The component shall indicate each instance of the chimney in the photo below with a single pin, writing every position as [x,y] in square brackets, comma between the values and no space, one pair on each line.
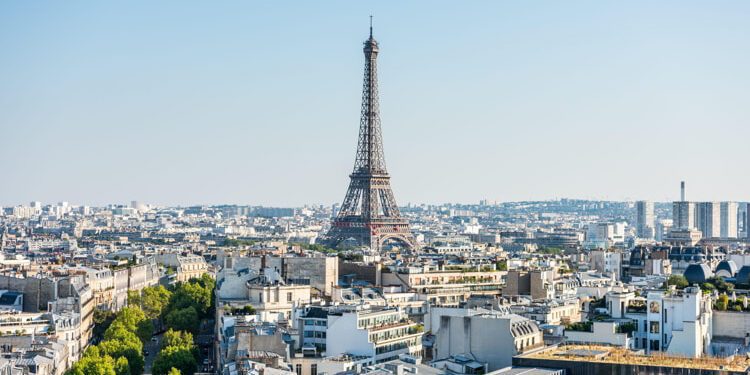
[682,191]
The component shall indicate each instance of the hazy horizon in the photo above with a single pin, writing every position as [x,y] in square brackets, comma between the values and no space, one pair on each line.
[235,102]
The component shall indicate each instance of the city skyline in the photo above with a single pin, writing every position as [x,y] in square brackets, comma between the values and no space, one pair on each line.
[596,101]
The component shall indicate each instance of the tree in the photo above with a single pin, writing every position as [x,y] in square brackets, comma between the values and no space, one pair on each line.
[248,310]
[179,339]
[134,298]
[145,330]
[130,349]
[129,317]
[102,320]
[550,250]
[721,285]
[707,287]
[90,365]
[183,319]
[678,281]
[154,300]
[722,302]
[196,293]
[118,332]
[122,367]
[174,357]
[501,265]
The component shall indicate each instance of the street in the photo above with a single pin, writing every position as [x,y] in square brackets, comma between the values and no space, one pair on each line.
[152,347]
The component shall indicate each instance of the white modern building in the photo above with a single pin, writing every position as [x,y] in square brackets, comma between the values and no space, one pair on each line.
[491,337]
[381,334]
[673,321]
[728,220]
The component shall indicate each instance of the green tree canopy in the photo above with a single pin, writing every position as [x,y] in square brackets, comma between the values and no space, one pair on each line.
[678,280]
[90,365]
[174,357]
[145,330]
[134,298]
[130,349]
[129,317]
[122,367]
[179,339]
[118,332]
[154,300]
[183,319]
[722,302]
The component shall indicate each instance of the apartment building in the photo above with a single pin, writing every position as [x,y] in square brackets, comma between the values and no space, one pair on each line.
[381,334]
[673,321]
[442,286]
[492,337]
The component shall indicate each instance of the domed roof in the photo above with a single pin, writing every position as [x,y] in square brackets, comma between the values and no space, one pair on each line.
[726,268]
[697,273]
[743,277]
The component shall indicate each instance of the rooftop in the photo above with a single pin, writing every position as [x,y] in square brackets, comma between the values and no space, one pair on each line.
[608,354]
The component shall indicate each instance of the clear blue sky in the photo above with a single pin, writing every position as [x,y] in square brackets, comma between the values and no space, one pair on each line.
[182,102]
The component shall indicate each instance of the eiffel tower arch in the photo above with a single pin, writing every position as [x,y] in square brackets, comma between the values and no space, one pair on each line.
[369,214]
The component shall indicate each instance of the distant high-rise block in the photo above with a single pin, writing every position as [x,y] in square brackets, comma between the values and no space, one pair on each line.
[709,219]
[683,215]
[728,220]
[644,219]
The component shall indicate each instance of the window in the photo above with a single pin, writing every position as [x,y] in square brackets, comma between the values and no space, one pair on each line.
[665,316]
[309,322]
[298,369]
[314,369]
[654,345]
[289,299]
[260,297]
[654,327]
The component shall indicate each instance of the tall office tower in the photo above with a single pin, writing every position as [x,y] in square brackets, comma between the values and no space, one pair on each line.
[709,219]
[683,215]
[683,212]
[369,214]
[728,220]
[644,219]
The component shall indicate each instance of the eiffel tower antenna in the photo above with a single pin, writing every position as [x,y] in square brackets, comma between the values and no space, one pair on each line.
[369,214]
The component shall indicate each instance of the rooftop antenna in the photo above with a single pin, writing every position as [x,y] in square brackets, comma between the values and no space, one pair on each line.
[371,26]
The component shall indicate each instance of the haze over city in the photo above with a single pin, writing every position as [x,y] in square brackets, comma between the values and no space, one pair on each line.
[259,103]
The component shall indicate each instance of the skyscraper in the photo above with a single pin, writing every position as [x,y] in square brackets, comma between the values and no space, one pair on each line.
[369,214]
[644,219]
[709,219]
[683,215]
[683,212]
[728,220]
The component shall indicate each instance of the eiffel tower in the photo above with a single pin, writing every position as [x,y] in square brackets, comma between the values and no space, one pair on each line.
[369,214]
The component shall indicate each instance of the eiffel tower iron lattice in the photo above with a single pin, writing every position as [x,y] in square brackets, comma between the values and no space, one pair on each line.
[369,214]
